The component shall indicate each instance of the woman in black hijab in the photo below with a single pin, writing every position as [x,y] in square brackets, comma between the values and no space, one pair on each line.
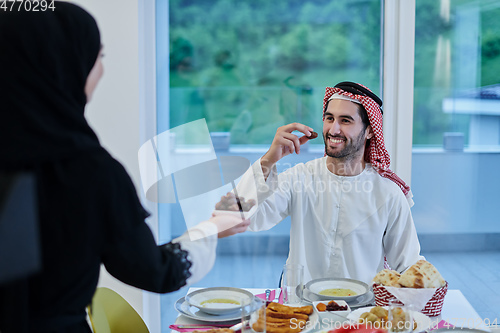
[88,209]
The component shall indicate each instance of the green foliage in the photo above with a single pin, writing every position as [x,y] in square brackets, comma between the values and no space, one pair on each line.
[283,51]
[443,67]
[281,54]
[490,46]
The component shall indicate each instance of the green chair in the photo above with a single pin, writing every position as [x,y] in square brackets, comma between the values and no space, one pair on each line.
[111,313]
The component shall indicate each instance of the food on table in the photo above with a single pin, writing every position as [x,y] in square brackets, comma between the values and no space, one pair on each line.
[220,301]
[338,292]
[321,307]
[388,277]
[276,325]
[313,135]
[283,319]
[233,203]
[380,312]
[357,328]
[400,322]
[334,306]
[378,317]
[368,317]
[421,275]
[331,306]
[277,307]
[412,282]
[286,315]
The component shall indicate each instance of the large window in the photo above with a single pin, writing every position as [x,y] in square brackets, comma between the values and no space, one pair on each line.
[456,125]
[248,67]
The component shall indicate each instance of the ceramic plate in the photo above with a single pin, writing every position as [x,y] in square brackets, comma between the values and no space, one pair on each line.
[219,300]
[183,307]
[319,285]
[366,299]
[423,322]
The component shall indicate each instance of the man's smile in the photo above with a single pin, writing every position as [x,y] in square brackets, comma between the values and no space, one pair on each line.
[336,140]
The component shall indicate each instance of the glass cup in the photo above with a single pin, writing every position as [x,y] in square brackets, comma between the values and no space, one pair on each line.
[292,284]
[253,317]
[400,318]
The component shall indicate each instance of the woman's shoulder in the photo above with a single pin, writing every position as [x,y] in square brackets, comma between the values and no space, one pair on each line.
[97,169]
[115,185]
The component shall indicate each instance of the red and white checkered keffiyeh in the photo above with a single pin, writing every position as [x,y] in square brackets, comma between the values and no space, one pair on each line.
[376,154]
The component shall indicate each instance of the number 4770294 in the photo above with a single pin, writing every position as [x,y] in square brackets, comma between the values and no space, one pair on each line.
[27,5]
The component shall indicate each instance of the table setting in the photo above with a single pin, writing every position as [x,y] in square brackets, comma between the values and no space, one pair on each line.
[457,314]
[333,305]
[363,297]
[194,310]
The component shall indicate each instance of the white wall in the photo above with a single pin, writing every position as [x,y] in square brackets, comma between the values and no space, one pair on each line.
[114,110]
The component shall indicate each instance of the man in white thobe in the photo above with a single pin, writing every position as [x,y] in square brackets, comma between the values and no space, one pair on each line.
[348,210]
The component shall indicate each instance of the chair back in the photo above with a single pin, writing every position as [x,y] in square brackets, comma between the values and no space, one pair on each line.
[111,313]
[19,234]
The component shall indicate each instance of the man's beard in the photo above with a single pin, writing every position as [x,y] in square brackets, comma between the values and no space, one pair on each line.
[350,150]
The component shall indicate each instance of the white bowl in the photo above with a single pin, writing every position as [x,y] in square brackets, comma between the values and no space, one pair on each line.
[332,316]
[219,300]
[317,286]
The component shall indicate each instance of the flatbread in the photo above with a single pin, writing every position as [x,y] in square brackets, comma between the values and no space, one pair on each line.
[388,278]
[422,275]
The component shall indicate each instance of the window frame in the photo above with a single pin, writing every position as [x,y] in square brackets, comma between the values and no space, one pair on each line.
[151,307]
[398,74]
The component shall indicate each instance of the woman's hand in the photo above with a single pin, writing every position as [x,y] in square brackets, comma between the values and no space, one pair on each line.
[229,225]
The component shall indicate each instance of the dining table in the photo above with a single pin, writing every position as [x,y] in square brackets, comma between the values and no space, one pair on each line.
[456,312]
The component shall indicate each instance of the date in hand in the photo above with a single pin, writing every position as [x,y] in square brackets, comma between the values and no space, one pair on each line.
[313,135]
[233,203]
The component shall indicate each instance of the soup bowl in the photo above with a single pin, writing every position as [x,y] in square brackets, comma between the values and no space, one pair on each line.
[337,289]
[219,300]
